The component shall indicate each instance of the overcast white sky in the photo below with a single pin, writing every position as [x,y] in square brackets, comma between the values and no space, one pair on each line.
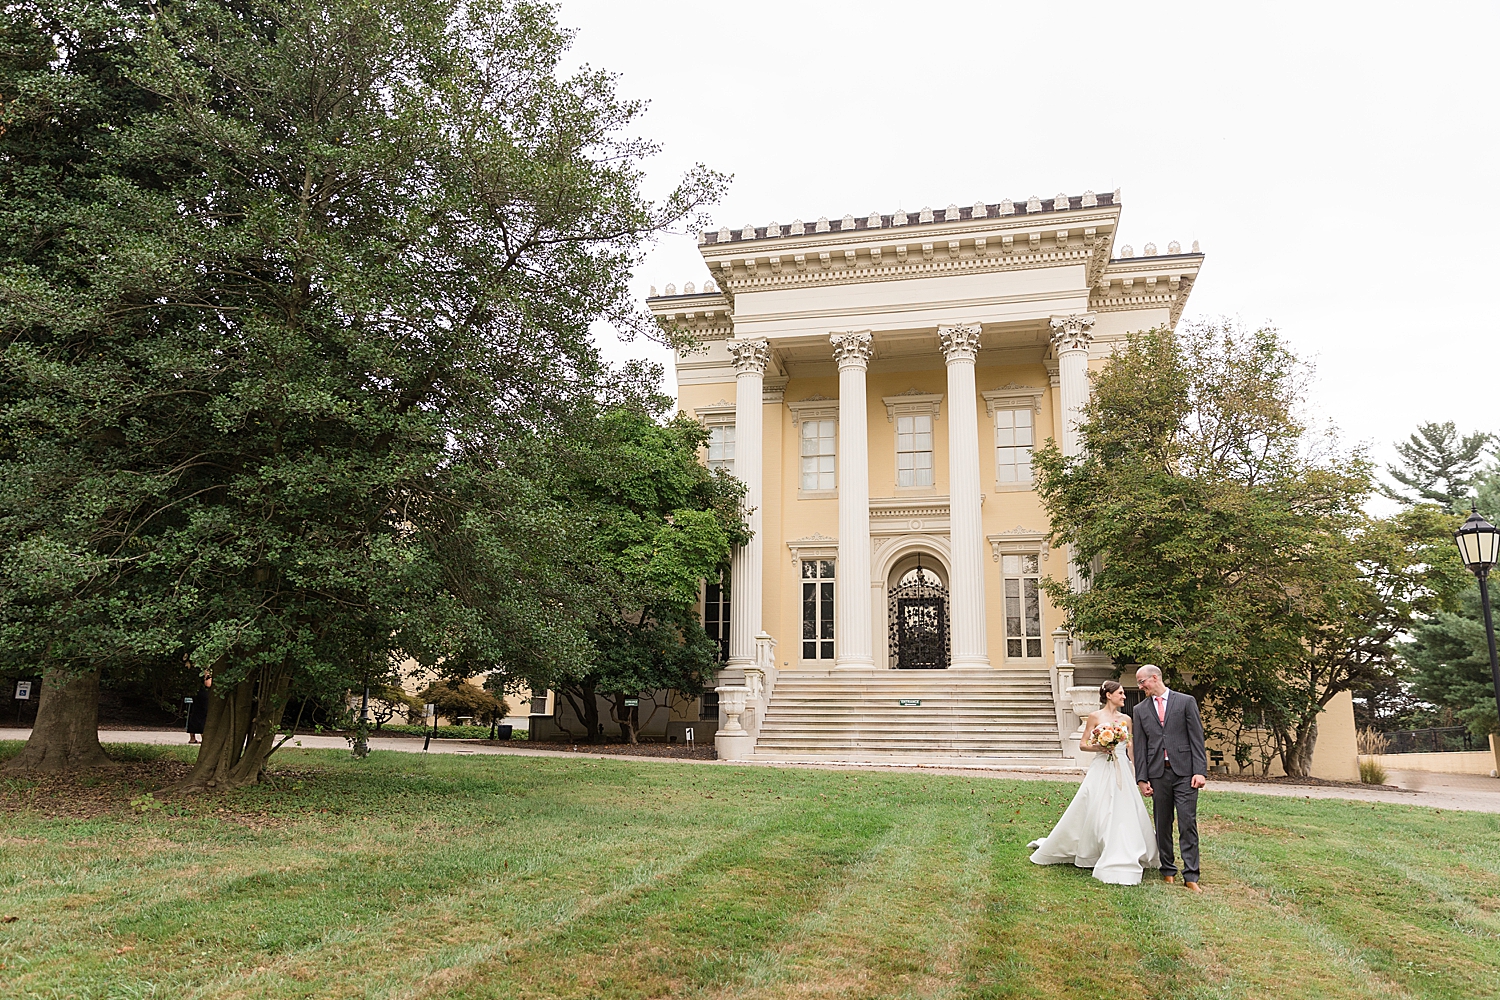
[1336,160]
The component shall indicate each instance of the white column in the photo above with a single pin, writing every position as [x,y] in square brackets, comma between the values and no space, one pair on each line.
[1071,337]
[966,532]
[852,586]
[746,584]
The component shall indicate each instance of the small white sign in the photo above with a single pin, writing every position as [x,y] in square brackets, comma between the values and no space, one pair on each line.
[23,690]
[688,733]
[430,709]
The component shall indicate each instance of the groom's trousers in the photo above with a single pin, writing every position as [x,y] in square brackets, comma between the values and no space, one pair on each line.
[1175,793]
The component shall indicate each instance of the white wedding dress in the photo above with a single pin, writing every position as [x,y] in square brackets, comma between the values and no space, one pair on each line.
[1106,826]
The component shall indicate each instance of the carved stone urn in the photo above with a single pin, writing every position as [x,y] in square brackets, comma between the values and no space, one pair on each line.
[732,742]
[1084,699]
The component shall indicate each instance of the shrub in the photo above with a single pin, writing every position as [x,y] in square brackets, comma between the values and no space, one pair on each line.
[1370,771]
[1371,742]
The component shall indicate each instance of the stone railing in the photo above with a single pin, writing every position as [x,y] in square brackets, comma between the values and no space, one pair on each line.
[744,694]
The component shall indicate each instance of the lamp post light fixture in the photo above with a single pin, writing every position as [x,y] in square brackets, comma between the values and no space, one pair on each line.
[1479,545]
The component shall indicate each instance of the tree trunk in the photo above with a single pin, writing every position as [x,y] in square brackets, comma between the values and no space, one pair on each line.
[239,732]
[65,736]
[1297,752]
[626,717]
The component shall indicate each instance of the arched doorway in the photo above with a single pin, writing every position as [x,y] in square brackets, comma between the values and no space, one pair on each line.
[918,615]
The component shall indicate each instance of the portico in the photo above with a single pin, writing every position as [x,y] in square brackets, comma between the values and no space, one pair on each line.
[889,377]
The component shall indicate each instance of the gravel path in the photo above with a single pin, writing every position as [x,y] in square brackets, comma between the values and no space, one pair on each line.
[1462,792]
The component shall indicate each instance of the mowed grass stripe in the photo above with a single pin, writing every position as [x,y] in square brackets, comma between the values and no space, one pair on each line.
[1379,898]
[445,877]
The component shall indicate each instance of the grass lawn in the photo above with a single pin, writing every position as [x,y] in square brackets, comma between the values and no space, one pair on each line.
[444,876]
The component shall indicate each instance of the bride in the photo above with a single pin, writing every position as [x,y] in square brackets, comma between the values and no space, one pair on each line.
[1106,826]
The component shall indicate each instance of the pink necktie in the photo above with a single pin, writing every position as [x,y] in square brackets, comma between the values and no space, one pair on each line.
[1161,710]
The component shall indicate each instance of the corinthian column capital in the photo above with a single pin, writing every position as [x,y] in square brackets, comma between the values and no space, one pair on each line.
[750,356]
[852,349]
[960,343]
[1073,332]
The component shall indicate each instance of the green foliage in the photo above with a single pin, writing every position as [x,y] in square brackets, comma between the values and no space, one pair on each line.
[1449,658]
[447,732]
[457,699]
[280,287]
[1226,543]
[654,523]
[1438,465]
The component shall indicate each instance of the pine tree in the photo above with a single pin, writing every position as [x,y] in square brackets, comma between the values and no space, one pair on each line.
[1438,466]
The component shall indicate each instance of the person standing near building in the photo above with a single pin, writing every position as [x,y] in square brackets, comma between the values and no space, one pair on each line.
[198,714]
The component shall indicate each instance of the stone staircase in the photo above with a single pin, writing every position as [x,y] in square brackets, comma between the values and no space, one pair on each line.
[912,716]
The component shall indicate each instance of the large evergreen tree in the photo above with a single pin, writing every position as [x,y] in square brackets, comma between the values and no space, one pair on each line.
[1438,465]
[345,254]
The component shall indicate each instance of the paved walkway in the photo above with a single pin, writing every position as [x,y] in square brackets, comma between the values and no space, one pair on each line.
[1468,793]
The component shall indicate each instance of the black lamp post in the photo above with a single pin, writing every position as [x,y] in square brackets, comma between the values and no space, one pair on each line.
[1479,544]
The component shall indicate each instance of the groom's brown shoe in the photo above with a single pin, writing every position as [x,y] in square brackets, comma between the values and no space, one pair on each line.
[1192,886]
[1169,879]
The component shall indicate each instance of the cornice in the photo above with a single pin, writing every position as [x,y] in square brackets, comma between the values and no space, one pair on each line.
[978,213]
[1152,282]
[941,261]
[702,316]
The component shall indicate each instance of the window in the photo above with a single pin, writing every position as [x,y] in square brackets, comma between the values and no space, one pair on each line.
[716,616]
[914,450]
[1014,439]
[817,609]
[1023,607]
[721,447]
[818,454]
[708,707]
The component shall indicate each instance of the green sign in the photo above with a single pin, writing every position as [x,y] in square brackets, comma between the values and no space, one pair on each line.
[909,702]
[632,702]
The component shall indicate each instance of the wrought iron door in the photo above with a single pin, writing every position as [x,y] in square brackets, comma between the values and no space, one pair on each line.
[919,623]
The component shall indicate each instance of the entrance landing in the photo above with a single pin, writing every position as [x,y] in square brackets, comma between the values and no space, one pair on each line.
[875,716]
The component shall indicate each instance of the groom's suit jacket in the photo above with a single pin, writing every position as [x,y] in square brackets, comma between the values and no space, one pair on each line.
[1179,742]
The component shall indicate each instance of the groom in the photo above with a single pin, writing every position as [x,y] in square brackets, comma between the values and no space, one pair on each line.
[1170,765]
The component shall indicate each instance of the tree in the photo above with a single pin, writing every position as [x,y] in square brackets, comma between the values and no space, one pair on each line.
[278,448]
[1449,658]
[1224,542]
[456,698]
[1361,590]
[1438,466]
[84,238]
[656,523]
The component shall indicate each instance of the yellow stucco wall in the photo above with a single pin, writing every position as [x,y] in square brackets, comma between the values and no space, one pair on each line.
[786,516]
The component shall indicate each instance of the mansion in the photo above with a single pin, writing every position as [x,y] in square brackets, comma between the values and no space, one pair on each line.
[879,384]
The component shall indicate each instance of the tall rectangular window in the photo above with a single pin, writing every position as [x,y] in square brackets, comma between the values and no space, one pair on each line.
[1023,607]
[914,450]
[721,447]
[1014,440]
[716,616]
[818,438]
[817,609]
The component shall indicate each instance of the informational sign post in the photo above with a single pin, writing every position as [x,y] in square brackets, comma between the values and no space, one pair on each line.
[23,690]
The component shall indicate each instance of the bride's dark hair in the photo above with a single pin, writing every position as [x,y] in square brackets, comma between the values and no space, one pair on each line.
[1108,688]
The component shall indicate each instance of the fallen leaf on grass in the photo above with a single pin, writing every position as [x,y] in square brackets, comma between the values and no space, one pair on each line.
[121,951]
[9,919]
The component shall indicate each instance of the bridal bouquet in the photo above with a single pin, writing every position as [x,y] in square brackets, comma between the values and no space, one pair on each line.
[1110,737]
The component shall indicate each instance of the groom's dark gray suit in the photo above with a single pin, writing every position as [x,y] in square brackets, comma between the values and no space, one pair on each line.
[1168,756]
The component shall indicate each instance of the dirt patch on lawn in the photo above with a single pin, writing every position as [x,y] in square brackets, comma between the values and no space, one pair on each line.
[1246,779]
[88,794]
